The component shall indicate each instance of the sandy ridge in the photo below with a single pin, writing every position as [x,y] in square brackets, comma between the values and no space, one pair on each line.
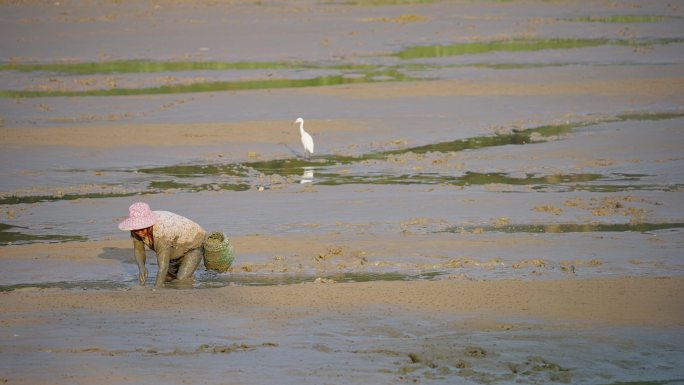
[127,135]
[627,301]
[644,87]
[142,135]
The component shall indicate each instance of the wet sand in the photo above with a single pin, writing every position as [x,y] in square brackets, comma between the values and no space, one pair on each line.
[388,331]
[588,324]
[247,134]
[623,301]
[539,241]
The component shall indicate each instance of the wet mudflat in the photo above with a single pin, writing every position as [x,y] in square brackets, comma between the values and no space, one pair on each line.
[368,332]
[532,150]
[389,347]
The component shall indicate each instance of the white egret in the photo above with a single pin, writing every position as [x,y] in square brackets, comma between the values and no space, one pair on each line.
[307,140]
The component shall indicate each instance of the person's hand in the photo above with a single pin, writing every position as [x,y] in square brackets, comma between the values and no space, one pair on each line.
[143,275]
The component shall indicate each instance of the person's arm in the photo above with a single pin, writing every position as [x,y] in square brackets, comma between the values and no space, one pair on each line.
[139,251]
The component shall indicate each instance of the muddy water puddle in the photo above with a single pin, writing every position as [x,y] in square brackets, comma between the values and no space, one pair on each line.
[10,234]
[68,285]
[206,279]
[570,228]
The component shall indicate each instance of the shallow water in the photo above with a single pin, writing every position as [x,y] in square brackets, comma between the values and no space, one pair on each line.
[13,236]
[573,228]
[322,169]
[207,279]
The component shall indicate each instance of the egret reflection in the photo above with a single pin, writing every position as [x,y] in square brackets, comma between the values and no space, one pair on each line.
[308,175]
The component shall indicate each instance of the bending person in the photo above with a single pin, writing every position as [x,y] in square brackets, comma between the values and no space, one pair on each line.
[176,240]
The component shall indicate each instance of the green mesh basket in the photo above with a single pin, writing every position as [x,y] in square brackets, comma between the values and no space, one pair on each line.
[218,252]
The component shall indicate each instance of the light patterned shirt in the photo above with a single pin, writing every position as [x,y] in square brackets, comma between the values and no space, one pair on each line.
[174,235]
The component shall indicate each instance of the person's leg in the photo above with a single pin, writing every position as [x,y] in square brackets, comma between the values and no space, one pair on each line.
[189,263]
[174,265]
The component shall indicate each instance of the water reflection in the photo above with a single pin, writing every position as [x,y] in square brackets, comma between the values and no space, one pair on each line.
[308,175]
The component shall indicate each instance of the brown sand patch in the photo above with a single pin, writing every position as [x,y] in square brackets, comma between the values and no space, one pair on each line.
[616,301]
[109,136]
[649,87]
[290,250]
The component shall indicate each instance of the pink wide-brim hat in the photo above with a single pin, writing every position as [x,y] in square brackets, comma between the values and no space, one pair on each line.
[139,217]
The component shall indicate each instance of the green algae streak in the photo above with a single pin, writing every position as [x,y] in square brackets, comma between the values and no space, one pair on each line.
[218,86]
[518,45]
[152,66]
